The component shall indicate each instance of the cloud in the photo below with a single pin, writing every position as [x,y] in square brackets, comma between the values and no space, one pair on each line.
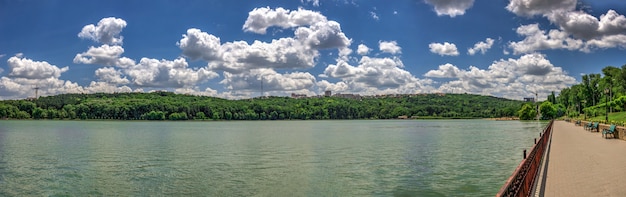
[165,73]
[284,53]
[107,88]
[239,56]
[605,42]
[481,47]
[26,74]
[373,75]
[28,69]
[389,47]
[323,35]
[511,78]
[315,3]
[578,31]
[200,45]
[374,15]
[585,26]
[15,88]
[362,49]
[270,80]
[445,71]
[103,55]
[451,8]
[444,49]
[107,31]
[529,8]
[259,19]
[537,39]
[312,32]
[111,75]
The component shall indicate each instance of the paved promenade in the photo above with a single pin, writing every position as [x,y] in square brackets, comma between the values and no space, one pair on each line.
[582,163]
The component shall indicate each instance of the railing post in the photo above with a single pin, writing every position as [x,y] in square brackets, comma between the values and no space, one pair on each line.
[521,182]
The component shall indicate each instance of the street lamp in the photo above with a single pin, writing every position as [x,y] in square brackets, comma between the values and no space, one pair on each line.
[606,105]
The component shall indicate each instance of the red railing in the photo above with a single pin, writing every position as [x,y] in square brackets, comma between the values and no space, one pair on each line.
[522,181]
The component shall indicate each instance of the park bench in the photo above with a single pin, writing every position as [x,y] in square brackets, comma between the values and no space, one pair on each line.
[588,125]
[610,130]
[591,126]
[595,127]
[578,123]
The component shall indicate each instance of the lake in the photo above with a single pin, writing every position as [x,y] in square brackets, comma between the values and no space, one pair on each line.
[261,158]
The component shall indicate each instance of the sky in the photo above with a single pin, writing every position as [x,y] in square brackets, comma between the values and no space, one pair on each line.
[243,49]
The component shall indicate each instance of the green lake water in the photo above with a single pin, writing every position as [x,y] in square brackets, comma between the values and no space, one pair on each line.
[261,158]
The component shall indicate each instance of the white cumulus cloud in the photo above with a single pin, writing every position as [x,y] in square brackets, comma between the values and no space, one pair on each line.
[363,49]
[103,55]
[389,47]
[259,19]
[107,31]
[111,75]
[373,76]
[165,73]
[444,49]
[451,8]
[200,45]
[511,78]
[481,47]
[268,80]
[20,67]
[528,8]
[537,39]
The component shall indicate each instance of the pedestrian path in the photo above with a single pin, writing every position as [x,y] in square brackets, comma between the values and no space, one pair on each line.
[583,163]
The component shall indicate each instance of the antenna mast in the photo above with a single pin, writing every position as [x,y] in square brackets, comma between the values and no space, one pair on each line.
[36,92]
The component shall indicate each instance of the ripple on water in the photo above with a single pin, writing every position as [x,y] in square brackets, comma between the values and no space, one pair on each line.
[282,158]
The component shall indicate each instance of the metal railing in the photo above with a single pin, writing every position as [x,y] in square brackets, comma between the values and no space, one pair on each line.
[522,181]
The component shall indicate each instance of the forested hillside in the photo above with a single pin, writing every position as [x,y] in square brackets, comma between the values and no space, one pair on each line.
[170,106]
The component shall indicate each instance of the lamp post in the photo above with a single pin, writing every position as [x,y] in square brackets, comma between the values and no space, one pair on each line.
[606,105]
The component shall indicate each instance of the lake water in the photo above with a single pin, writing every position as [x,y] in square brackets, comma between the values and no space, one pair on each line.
[261,158]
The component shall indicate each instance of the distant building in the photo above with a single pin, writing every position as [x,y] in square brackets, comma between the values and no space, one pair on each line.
[529,99]
[297,96]
[348,96]
[328,93]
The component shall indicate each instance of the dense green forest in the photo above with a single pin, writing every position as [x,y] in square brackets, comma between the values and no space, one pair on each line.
[170,106]
[594,96]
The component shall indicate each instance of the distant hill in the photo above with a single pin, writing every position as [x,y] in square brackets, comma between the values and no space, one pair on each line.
[170,106]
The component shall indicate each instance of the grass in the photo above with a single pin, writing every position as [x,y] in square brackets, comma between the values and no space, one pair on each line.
[618,118]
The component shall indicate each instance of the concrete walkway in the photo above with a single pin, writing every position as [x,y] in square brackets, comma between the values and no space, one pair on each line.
[582,163]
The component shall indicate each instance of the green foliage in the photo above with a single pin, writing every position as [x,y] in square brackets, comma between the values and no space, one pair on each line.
[170,106]
[154,115]
[527,112]
[548,110]
[200,116]
[595,93]
[178,116]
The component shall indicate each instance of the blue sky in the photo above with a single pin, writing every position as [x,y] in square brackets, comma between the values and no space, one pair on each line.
[233,49]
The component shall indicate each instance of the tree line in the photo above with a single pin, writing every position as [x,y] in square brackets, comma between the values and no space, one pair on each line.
[170,106]
[596,93]
[594,96]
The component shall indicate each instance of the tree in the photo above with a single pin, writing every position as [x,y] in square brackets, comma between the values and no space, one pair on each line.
[552,98]
[200,116]
[548,110]
[527,112]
